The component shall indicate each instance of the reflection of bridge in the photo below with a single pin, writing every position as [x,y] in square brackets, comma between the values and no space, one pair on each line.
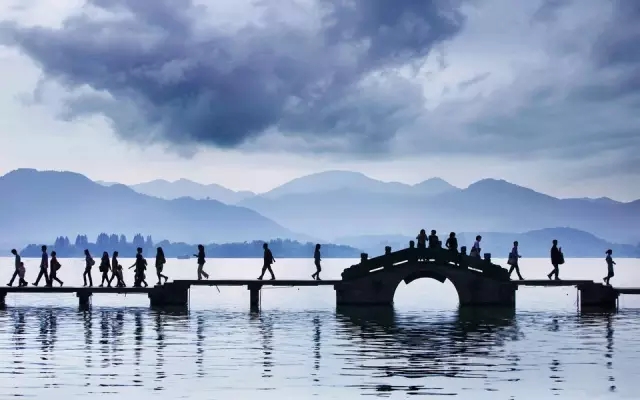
[478,282]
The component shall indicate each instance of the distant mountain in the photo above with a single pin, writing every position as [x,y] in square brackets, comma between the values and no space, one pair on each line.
[38,205]
[331,181]
[186,188]
[601,200]
[487,205]
[574,243]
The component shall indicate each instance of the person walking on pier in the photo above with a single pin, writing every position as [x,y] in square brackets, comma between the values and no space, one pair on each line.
[44,267]
[88,263]
[556,259]
[452,242]
[140,266]
[21,272]
[475,250]
[160,261]
[17,262]
[317,259]
[55,266]
[105,268]
[201,260]
[268,260]
[610,264]
[514,256]
[116,271]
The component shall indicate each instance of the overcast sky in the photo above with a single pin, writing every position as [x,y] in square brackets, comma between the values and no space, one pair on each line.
[250,94]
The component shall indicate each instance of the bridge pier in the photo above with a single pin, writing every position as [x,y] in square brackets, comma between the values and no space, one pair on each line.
[597,295]
[254,296]
[84,298]
[3,299]
[169,295]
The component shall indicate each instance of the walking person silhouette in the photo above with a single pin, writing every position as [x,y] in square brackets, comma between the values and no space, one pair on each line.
[140,266]
[514,257]
[201,260]
[88,263]
[116,271]
[317,259]
[21,272]
[17,262]
[44,266]
[55,266]
[610,264]
[268,260]
[557,258]
[105,267]
[160,261]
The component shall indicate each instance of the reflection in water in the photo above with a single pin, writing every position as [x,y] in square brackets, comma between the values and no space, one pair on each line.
[316,347]
[88,344]
[372,351]
[420,348]
[200,345]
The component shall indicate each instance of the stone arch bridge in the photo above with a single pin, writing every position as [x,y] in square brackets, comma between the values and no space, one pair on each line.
[374,281]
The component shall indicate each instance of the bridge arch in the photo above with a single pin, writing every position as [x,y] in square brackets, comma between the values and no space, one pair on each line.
[441,291]
[379,287]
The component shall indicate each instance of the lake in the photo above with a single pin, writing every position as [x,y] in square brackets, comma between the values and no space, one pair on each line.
[300,346]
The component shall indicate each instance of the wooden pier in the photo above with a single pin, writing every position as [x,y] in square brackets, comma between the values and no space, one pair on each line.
[478,282]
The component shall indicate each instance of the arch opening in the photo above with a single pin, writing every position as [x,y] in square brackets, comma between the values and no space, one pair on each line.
[426,290]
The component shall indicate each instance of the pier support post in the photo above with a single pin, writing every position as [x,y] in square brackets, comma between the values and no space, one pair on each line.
[3,299]
[597,295]
[169,295]
[254,296]
[84,298]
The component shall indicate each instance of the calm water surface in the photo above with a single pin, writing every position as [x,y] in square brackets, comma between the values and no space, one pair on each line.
[300,346]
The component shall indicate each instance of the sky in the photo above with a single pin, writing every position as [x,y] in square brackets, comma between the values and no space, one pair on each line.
[251,94]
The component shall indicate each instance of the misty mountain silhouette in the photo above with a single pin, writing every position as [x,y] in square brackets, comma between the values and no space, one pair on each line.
[186,188]
[40,205]
[487,205]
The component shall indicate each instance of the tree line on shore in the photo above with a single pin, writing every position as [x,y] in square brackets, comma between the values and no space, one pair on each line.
[104,242]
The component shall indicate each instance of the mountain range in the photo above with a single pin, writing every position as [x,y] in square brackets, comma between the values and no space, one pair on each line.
[327,206]
[38,205]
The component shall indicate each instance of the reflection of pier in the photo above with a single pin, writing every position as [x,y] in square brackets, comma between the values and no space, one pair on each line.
[373,282]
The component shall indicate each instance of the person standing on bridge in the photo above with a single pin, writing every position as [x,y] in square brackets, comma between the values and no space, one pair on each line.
[160,261]
[116,271]
[452,242]
[514,256]
[88,263]
[105,268]
[422,239]
[556,259]
[610,264]
[201,260]
[44,267]
[475,250]
[434,242]
[317,259]
[18,260]
[55,266]
[268,260]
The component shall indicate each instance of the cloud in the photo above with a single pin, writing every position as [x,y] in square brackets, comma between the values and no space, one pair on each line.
[164,70]
[516,80]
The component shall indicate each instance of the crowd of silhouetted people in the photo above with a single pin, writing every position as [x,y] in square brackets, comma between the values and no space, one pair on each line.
[556,255]
[111,269]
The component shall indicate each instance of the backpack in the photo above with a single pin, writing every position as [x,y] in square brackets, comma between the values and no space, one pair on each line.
[560,258]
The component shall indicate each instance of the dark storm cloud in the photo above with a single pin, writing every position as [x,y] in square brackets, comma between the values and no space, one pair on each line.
[164,73]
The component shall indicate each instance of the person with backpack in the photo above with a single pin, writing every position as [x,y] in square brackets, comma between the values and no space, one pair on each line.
[268,260]
[514,257]
[88,263]
[105,268]
[116,271]
[140,266]
[54,266]
[557,259]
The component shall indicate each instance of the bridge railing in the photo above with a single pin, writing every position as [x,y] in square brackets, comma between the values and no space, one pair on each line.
[435,255]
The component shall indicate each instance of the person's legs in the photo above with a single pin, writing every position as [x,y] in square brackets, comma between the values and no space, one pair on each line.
[273,277]
[518,272]
[13,277]
[42,273]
